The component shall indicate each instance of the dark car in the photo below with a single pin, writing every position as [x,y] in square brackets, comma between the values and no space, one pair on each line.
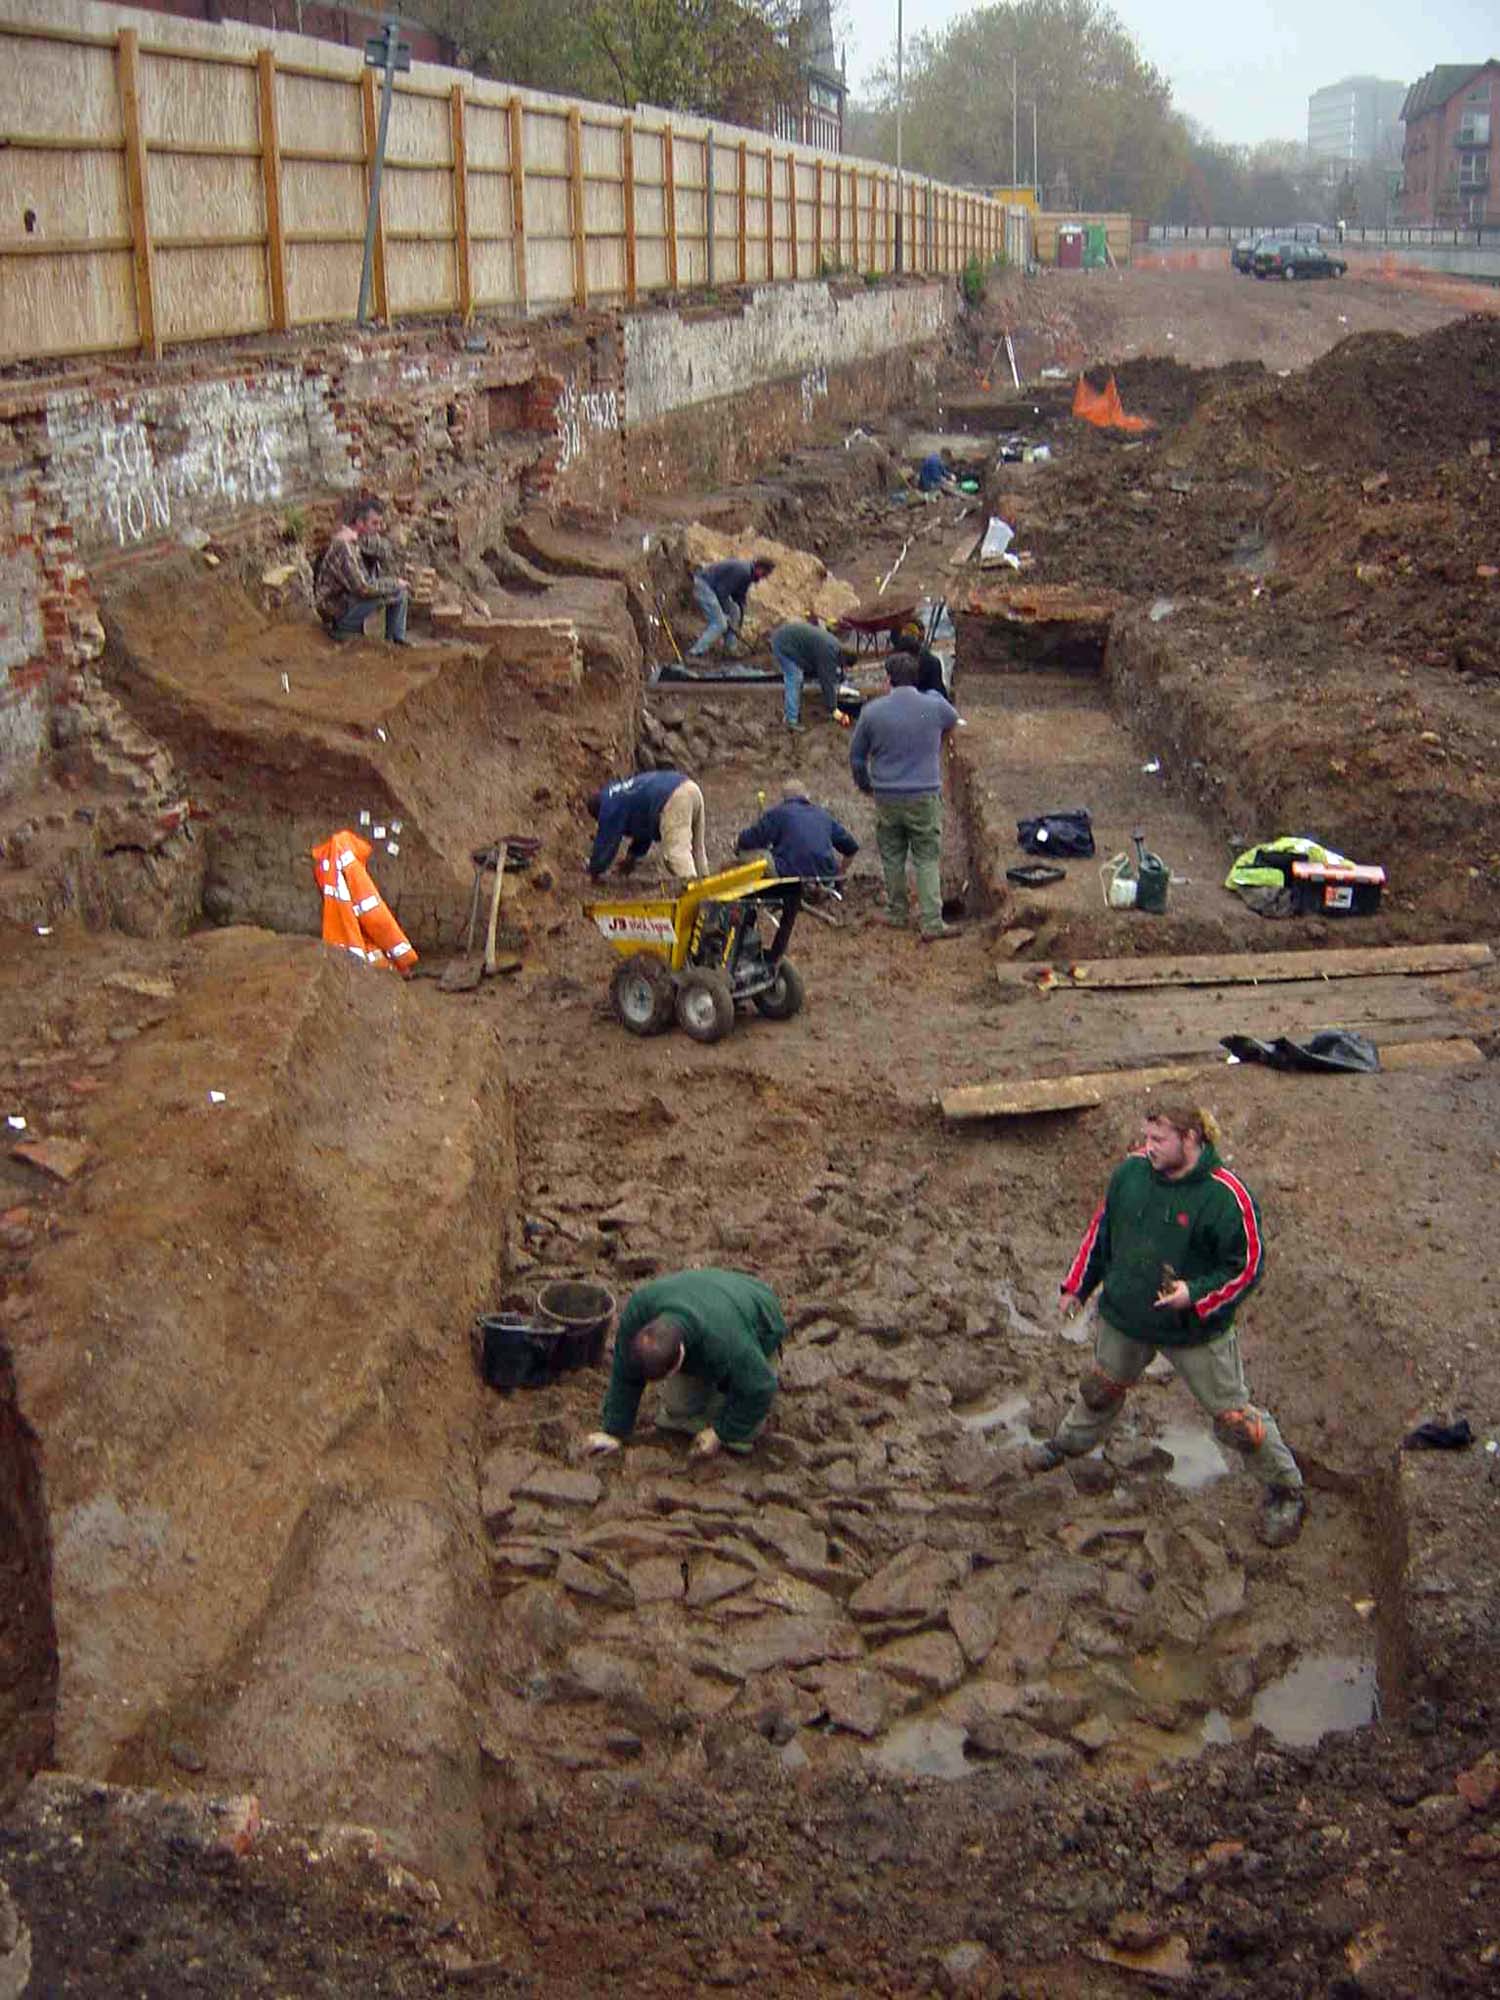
[1296,260]
[1242,255]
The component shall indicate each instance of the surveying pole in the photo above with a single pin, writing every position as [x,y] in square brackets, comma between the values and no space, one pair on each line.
[387,53]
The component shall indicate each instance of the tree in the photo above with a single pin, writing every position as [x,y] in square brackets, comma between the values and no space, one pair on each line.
[729,59]
[1104,114]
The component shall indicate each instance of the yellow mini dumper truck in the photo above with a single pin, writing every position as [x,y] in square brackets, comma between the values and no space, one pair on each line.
[697,956]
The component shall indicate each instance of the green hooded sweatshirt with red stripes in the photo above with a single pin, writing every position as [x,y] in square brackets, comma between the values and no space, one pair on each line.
[1149,1231]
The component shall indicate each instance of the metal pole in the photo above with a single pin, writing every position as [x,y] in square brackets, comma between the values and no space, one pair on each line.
[387,90]
[900,107]
[1015,150]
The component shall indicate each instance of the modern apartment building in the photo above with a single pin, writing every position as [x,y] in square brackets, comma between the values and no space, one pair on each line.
[1449,161]
[1356,121]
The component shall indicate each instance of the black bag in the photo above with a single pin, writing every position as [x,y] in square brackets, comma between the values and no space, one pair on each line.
[1328,1049]
[1068,834]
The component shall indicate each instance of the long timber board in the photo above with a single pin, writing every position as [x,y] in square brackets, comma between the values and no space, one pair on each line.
[1253,968]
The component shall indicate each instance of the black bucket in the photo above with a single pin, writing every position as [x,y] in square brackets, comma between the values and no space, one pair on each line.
[519,1353]
[581,1311]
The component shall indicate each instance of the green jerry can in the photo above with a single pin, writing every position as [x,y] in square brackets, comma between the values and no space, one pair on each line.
[1152,876]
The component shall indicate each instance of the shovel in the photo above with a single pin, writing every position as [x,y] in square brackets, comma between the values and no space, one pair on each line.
[465,974]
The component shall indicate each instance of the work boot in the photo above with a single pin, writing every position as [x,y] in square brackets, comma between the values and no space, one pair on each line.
[940,930]
[793,728]
[1285,1511]
[1044,1457]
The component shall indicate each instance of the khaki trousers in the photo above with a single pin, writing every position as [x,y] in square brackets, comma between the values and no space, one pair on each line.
[1216,1376]
[683,829]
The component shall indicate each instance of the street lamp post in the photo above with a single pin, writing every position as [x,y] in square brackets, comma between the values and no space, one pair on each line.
[387,53]
[1015,149]
[900,106]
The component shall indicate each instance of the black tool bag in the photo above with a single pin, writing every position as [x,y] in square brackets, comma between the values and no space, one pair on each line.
[1067,835]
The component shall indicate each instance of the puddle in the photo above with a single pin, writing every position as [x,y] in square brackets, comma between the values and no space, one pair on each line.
[1029,1329]
[1196,1457]
[1320,1696]
[923,1750]
[1008,1415]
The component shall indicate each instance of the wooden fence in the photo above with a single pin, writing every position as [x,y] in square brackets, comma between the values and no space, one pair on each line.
[172,193]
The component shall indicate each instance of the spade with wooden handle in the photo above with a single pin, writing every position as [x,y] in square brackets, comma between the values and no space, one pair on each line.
[490,966]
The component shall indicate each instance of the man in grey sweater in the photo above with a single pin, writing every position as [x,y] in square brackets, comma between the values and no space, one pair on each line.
[897,755]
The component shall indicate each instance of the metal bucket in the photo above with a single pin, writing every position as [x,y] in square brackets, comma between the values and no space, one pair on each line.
[582,1312]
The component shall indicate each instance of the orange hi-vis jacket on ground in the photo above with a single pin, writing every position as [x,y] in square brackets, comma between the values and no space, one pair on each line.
[355,916]
[1103,408]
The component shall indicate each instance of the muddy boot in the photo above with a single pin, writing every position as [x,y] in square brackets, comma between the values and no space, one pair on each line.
[941,931]
[1044,1457]
[1285,1511]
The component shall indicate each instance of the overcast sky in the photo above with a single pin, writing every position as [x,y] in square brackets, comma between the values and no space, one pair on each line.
[1244,70]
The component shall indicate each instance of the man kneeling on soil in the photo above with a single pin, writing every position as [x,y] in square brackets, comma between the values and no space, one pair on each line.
[1175,1246]
[708,1337]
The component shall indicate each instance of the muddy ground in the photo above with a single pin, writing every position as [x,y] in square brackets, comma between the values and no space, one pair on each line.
[872,1712]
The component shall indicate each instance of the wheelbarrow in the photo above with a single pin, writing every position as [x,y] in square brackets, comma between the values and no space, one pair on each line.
[869,627]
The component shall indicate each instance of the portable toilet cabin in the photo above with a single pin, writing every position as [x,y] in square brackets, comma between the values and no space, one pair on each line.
[1070,244]
[1096,246]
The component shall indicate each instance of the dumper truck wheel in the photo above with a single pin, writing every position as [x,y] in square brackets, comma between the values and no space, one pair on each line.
[641,994]
[784,997]
[705,1004]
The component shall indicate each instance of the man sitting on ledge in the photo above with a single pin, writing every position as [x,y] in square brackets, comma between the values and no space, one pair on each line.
[357,576]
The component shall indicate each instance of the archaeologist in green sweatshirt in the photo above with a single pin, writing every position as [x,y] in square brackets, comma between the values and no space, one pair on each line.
[1173,1248]
[708,1337]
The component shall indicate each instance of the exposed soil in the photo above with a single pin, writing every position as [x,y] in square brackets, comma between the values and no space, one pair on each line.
[871,1711]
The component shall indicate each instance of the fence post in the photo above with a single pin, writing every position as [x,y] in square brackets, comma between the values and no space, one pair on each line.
[461,250]
[136,189]
[838,215]
[575,184]
[770,220]
[890,260]
[669,190]
[818,216]
[744,214]
[372,129]
[710,204]
[270,174]
[627,164]
[516,120]
[791,203]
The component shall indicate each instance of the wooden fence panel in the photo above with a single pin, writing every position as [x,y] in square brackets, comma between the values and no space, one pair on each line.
[241,204]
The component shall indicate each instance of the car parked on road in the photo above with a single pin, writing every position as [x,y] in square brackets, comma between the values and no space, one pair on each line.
[1242,255]
[1277,259]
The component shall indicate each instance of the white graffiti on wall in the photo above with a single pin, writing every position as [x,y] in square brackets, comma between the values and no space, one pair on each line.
[174,458]
[814,386]
[581,415]
[242,469]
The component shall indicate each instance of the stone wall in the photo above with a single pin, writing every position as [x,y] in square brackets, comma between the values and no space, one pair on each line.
[674,360]
[28,1642]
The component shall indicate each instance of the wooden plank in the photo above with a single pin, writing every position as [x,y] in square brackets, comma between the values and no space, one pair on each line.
[669,189]
[838,215]
[818,217]
[770,217]
[371,114]
[464,254]
[741,231]
[890,215]
[270,168]
[517,122]
[627,170]
[791,203]
[1253,968]
[1030,1097]
[575,203]
[128,71]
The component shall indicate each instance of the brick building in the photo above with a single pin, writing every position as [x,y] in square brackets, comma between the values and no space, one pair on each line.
[1449,170]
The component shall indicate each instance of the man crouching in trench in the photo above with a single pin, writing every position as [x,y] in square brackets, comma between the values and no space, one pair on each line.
[708,1337]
